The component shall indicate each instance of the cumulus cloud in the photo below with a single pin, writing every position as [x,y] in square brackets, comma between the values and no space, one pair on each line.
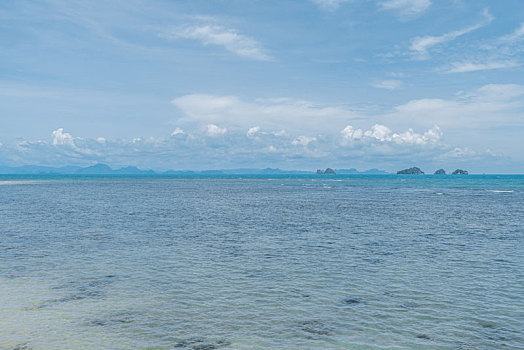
[406,7]
[303,140]
[350,133]
[252,131]
[421,45]
[178,131]
[62,138]
[214,130]
[379,132]
[382,133]
[230,39]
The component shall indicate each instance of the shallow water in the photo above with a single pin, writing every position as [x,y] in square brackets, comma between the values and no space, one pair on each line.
[298,262]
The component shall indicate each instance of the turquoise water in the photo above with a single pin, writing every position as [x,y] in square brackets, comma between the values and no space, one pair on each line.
[281,262]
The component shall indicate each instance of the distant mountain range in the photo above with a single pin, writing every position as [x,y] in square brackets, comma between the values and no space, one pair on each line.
[103,169]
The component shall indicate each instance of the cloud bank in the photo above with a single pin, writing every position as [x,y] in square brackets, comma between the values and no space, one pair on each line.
[227,131]
[217,147]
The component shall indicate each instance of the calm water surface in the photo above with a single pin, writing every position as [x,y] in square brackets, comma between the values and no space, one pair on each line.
[303,262]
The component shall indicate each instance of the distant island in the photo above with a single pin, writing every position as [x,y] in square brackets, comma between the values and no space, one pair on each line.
[460,172]
[411,171]
[328,171]
[416,171]
[104,169]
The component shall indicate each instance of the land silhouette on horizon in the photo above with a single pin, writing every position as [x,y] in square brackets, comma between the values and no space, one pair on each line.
[104,169]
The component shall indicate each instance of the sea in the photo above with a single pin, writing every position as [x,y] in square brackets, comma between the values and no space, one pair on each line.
[262,262]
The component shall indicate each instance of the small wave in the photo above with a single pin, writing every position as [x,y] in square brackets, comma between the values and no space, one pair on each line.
[501,191]
[18,182]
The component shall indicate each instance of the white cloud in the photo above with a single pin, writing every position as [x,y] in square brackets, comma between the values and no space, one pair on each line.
[489,106]
[303,140]
[489,54]
[64,143]
[499,93]
[390,84]
[460,153]
[252,131]
[381,133]
[406,7]
[228,38]
[62,138]
[269,114]
[350,133]
[178,131]
[214,130]
[516,35]
[421,45]
[397,75]
[330,4]
[463,67]
[410,137]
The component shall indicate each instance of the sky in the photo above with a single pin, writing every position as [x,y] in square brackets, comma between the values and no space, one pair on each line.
[295,84]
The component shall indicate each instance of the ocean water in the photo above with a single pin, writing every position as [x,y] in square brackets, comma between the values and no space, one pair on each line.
[298,262]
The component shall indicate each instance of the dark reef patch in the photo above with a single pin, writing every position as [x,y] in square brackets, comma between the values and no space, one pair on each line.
[80,290]
[423,336]
[351,301]
[199,343]
[315,327]
[115,319]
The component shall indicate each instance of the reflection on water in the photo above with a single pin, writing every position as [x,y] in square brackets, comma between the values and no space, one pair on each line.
[360,262]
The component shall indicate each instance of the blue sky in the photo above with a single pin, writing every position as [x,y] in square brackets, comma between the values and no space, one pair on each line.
[296,84]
